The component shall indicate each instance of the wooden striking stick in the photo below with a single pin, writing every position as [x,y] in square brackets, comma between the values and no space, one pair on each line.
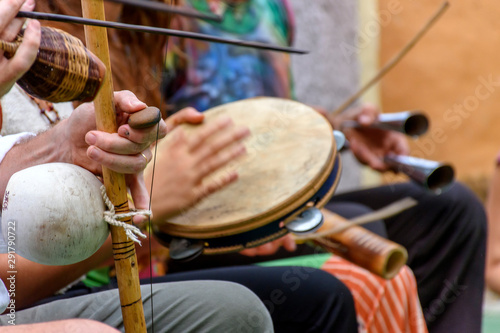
[358,245]
[156,30]
[387,67]
[123,248]
[362,247]
[164,8]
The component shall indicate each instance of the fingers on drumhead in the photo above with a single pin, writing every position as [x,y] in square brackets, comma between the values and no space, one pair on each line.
[217,161]
[208,131]
[228,140]
[217,184]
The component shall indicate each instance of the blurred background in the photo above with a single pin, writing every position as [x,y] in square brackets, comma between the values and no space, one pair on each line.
[452,75]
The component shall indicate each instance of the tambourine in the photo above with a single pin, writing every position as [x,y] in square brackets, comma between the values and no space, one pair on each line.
[290,171]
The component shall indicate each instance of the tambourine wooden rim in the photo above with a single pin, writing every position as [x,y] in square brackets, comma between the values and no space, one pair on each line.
[275,229]
[247,231]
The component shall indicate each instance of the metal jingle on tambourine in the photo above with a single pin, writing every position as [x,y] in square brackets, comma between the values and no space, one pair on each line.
[184,250]
[340,140]
[308,221]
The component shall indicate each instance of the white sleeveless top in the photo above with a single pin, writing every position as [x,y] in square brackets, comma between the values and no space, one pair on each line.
[21,118]
[22,114]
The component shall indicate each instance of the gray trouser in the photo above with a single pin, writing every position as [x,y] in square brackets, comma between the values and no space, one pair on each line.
[192,306]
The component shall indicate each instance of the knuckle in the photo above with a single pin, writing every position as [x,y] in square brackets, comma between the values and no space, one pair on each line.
[138,167]
[205,168]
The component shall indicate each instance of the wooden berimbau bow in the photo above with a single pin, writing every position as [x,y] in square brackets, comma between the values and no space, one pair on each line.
[159,31]
[123,248]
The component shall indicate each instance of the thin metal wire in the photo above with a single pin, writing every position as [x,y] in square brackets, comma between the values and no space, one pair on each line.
[151,198]
[150,227]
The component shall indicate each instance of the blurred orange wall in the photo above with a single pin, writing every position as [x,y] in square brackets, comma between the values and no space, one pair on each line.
[453,74]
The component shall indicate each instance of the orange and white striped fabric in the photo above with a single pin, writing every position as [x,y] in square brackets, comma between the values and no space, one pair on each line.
[381,305]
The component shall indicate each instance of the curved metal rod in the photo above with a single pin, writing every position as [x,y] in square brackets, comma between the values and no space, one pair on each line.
[412,123]
[164,8]
[156,30]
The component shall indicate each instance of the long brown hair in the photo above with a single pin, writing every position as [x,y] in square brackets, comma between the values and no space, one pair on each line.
[136,58]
